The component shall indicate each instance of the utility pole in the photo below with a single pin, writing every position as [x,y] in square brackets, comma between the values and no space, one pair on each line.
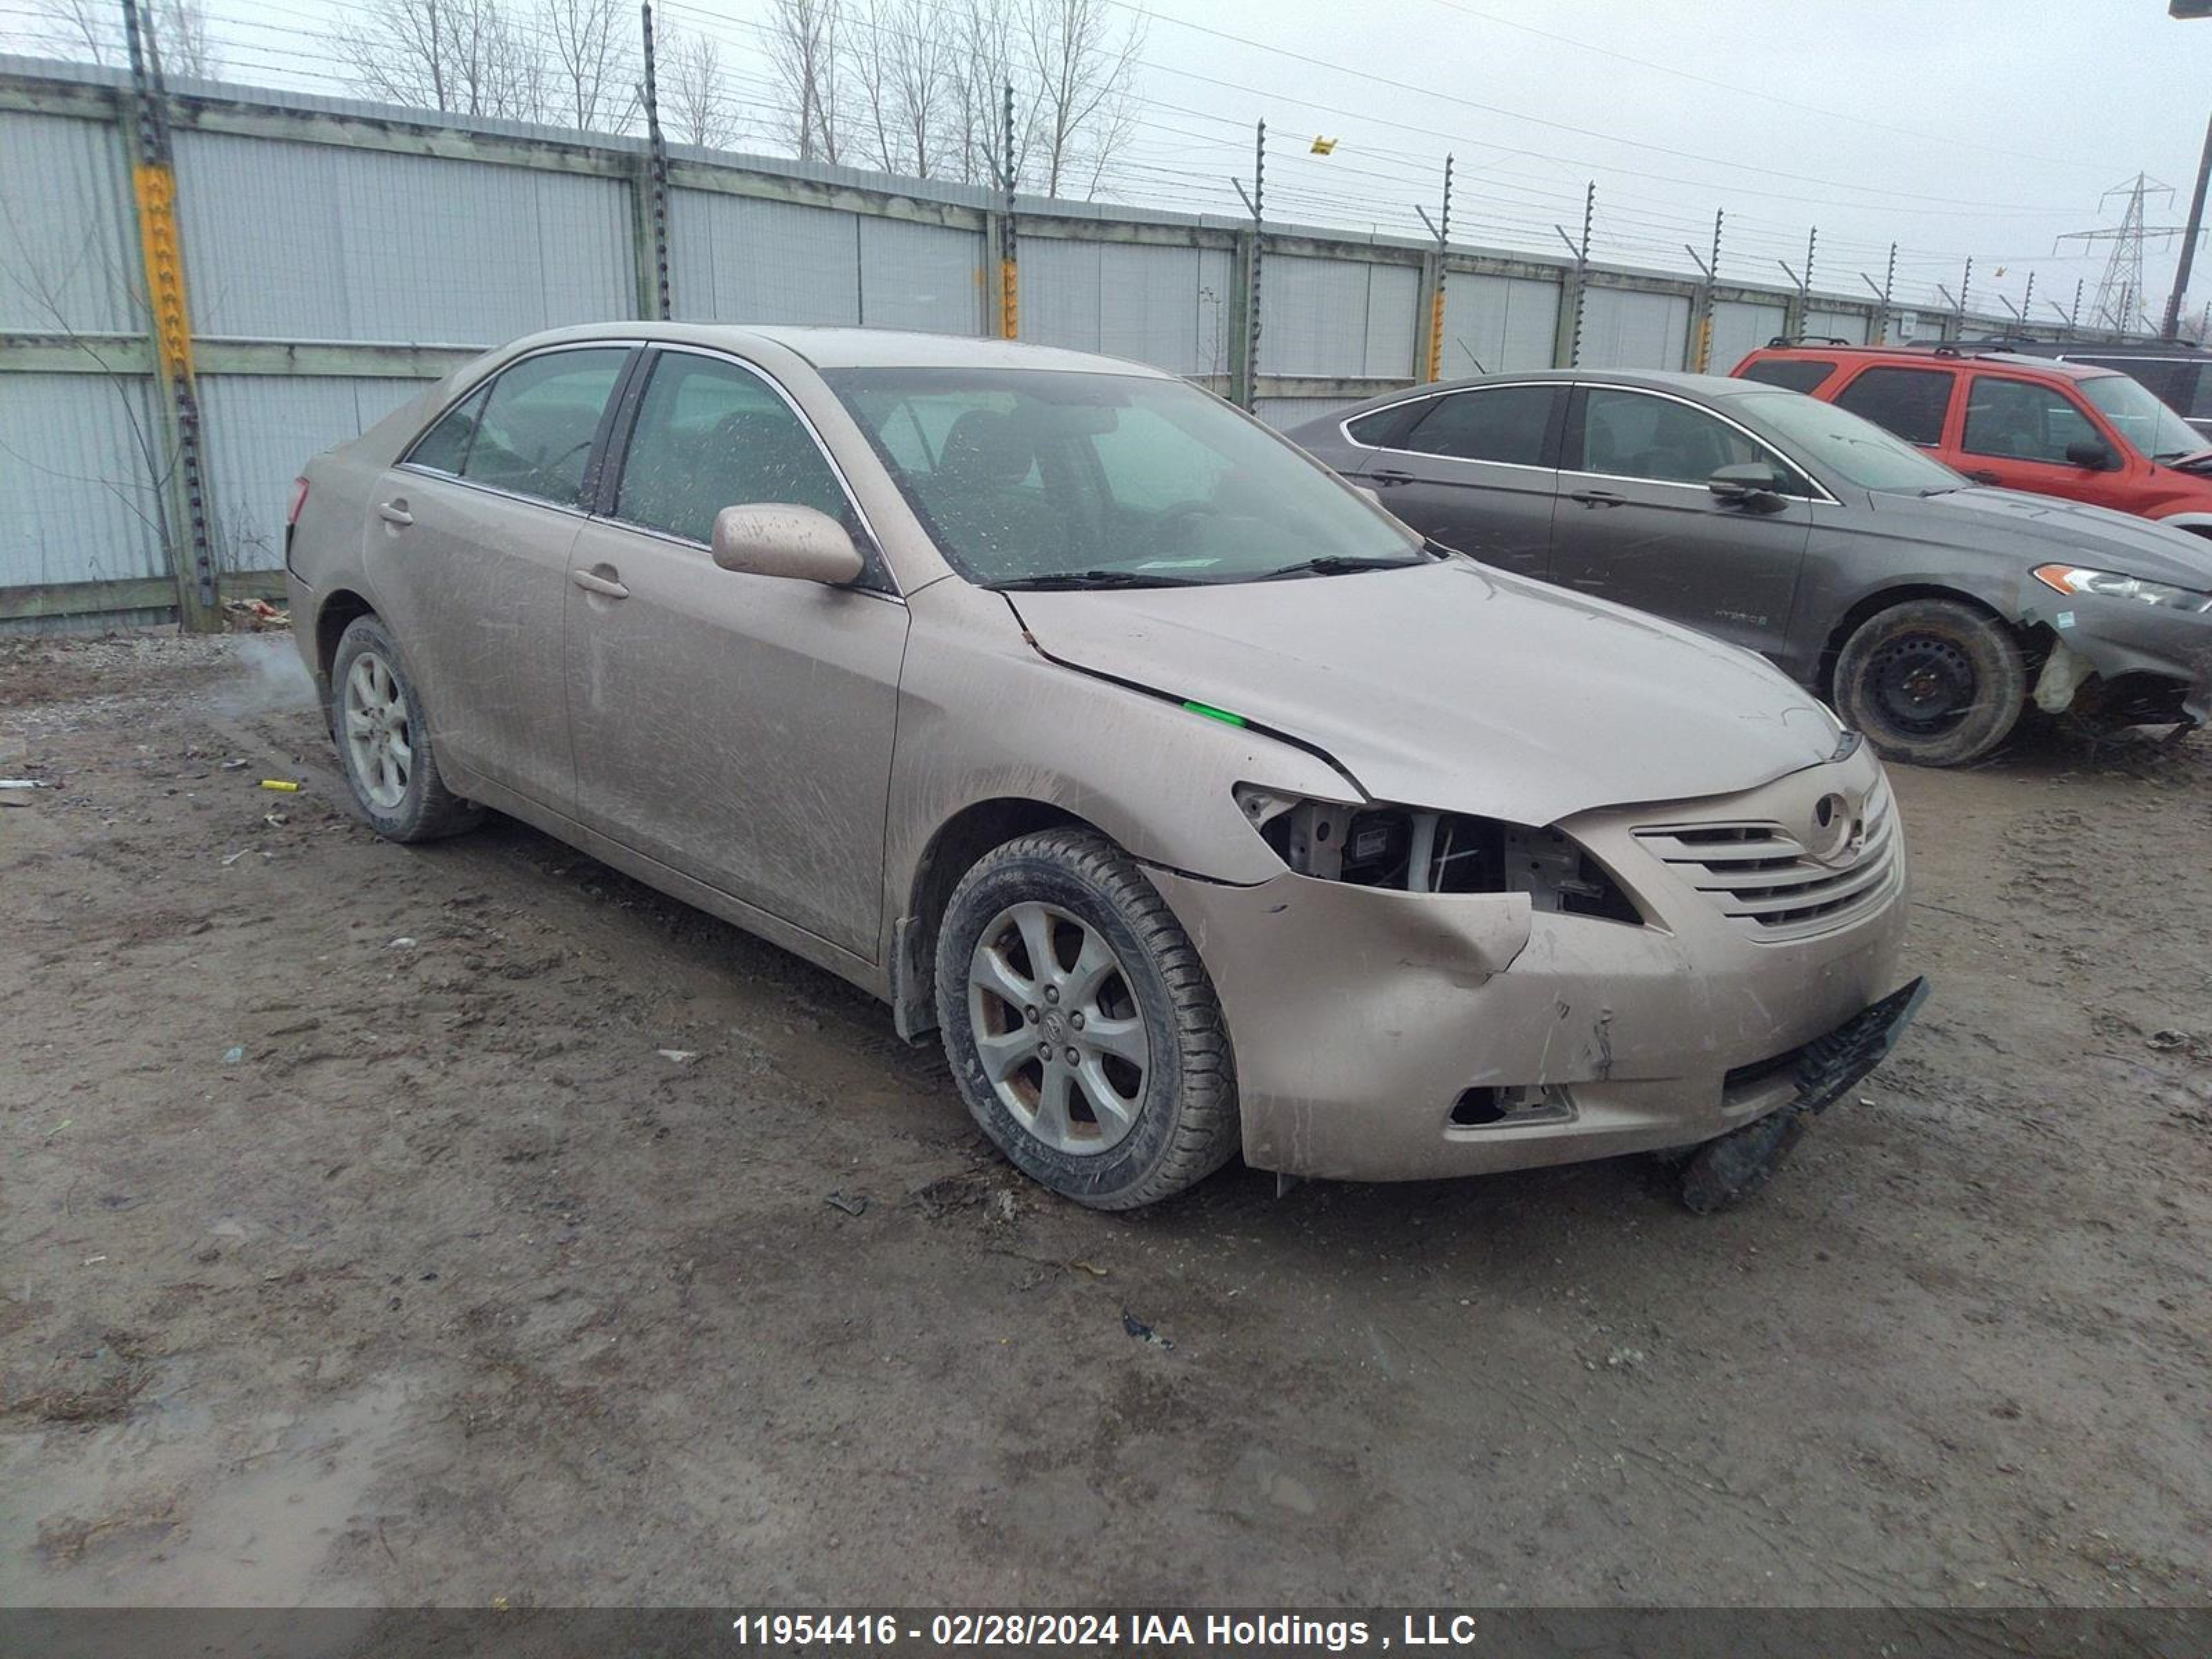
[1581,251]
[1245,375]
[656,182]
[154,180]
[1010,289]
[1441,229]
[2172,328]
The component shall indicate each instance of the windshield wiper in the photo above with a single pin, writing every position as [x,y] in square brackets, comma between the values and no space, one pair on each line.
[1094,579]
[1939,489]
[1334,564]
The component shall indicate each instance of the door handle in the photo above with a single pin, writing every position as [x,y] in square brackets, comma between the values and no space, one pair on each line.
[1598,498]
[395,511]
[606,586]
[1390,476]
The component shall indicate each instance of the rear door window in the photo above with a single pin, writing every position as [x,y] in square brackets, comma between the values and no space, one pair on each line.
[445,447]
[1910,402]
[1793,374]
[533,435]
[1507,424]
[2023,421]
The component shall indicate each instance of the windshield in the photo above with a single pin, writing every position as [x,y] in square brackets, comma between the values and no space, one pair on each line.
[1039,475]
[1857,451]
[2143,421]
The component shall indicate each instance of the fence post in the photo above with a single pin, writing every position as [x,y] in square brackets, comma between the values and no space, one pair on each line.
[1567,344]
[1010,285]
[186,520]
[1244,347]
[649,196]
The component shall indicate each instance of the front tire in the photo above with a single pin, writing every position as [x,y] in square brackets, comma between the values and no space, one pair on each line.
[384,744]
[1932,682]
[1081,1025]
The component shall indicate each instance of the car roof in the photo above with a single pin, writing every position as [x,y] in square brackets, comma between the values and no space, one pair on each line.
[1654,380]
[1943,351]
[858,348]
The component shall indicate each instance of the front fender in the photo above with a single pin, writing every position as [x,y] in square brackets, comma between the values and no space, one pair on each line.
[984,715]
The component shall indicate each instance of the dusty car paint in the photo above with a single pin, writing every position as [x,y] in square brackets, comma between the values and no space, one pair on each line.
[819,764]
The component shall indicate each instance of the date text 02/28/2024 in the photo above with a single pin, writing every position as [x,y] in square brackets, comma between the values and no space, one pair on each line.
[982,1630]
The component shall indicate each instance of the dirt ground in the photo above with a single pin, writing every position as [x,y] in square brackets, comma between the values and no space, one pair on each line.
[365,1240]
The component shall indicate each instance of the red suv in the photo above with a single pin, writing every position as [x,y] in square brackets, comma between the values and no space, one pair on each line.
[2090,434]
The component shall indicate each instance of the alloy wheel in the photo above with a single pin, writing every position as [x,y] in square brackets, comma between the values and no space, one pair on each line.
[378,731]
[1057,1028]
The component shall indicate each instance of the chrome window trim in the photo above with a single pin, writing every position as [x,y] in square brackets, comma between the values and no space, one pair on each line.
[1824,497]
[1344,425]
[665,348]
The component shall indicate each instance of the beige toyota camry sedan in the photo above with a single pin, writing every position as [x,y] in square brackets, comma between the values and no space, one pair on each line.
[1196,803]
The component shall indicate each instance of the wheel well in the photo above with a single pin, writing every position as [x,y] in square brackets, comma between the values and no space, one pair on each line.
[952,853]
[332,622]
[1888,598]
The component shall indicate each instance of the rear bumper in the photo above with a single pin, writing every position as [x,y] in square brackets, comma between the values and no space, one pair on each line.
[1360,1018]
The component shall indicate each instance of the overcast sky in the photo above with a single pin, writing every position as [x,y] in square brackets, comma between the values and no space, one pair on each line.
[1954,127]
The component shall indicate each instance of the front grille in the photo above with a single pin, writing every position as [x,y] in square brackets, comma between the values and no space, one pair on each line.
[1763,879]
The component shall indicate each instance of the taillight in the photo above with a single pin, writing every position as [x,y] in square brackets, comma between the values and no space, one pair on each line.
[299,500]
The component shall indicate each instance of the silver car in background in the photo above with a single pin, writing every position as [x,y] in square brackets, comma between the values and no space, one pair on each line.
[1199,804]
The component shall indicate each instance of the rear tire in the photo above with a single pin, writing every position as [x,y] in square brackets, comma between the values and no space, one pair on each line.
[1932,682]
[1104,1071]
[382,732]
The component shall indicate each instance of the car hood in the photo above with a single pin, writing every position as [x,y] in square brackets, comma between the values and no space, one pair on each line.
[1455,686]
[2041,528]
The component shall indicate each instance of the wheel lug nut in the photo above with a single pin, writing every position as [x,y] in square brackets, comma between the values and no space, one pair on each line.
[1073,1058]
[1044,1050]
[1052,993]
[1031,1014]
[1076,1020]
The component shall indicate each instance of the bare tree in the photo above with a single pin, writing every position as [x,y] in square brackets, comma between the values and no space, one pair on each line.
[984,66]
[697,103]
[462,55]
[187,47]
[906,59]
[592,62]
[805,46]
[1083,71]
[85,31]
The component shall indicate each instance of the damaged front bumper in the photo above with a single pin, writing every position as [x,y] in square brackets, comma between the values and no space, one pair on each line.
[2151,663]
[1384,1036]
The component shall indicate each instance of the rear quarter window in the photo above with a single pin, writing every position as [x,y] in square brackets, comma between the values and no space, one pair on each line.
[1793,374]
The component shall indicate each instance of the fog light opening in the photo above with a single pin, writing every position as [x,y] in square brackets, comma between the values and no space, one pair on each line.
[1477,1109]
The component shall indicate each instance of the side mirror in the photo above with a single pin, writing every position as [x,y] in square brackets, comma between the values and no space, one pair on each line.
[777,538]
[1754,484]
[2091,453]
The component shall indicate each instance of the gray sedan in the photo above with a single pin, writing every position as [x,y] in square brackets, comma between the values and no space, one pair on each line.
[1930,611]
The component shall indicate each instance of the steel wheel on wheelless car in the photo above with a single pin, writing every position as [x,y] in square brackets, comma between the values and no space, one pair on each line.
[383,741]
[1932,682]
[1080,1023]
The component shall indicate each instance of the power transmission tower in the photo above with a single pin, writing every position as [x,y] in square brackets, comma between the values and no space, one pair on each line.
[2119,304]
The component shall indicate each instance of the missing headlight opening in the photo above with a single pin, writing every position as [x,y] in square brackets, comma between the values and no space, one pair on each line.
[1414,850]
